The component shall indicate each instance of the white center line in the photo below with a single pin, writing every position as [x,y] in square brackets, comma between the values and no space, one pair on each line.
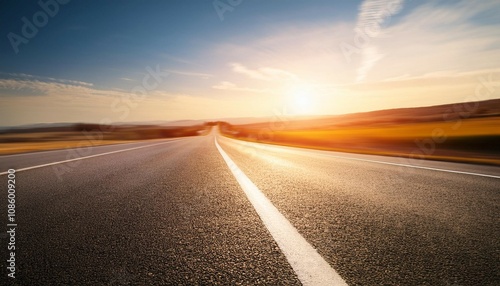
[86,157]
[310,267]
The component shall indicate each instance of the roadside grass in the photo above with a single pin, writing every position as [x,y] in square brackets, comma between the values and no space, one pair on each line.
[88,135]
[18,147]
[475,140]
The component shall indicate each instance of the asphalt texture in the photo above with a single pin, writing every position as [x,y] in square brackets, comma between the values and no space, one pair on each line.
[166,215]
[380,224]
[173,214]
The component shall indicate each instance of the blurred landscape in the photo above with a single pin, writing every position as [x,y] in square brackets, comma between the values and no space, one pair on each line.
[462,132]
[59,136]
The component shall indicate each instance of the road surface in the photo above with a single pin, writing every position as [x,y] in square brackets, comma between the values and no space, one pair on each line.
[203,211]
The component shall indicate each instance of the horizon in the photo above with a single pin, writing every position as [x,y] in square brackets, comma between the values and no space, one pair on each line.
[191,60]
[246,120]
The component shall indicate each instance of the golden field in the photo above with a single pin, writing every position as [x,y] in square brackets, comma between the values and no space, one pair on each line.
[83,135]
[419,133]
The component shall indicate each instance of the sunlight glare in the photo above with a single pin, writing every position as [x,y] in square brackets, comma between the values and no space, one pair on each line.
[301,100]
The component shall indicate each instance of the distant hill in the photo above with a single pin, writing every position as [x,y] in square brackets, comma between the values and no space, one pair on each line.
[462,132]
[69,127]
[446,112]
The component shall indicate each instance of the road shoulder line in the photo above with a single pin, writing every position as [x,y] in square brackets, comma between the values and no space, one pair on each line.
[269,147]
[86,157]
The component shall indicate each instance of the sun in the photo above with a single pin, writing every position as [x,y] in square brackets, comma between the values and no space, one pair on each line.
[301,100]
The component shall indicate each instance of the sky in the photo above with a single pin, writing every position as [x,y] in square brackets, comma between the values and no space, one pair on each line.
[137,61]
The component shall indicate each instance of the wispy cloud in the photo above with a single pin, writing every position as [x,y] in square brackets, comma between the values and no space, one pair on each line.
[126,79]
[192,74]
[226,85]
[42,78]
[264,73]
[29,85]
[50,88]
[78,103]
[372,15]
[37,87]
[441,37]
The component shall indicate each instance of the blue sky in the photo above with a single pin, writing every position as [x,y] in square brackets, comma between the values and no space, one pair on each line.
[95,41]
[299,57]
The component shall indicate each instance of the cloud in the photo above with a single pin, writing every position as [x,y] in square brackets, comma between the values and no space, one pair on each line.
[56,102]
[42,78]
[192,74]
[30,85]
[239,68]
[29,100]
[37,87]
[439,37]
[265,73]
[226,85]
[372,15]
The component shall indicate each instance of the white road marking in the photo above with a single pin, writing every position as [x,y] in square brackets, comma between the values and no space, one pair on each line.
[417,167]
[310,267]
[269,147]
[59,150]
[86,157]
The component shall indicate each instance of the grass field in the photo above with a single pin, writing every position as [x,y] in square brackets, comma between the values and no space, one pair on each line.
[84,135]
[15,148]
[473,139]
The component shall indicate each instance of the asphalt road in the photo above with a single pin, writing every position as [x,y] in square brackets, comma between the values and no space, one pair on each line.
[172,212]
